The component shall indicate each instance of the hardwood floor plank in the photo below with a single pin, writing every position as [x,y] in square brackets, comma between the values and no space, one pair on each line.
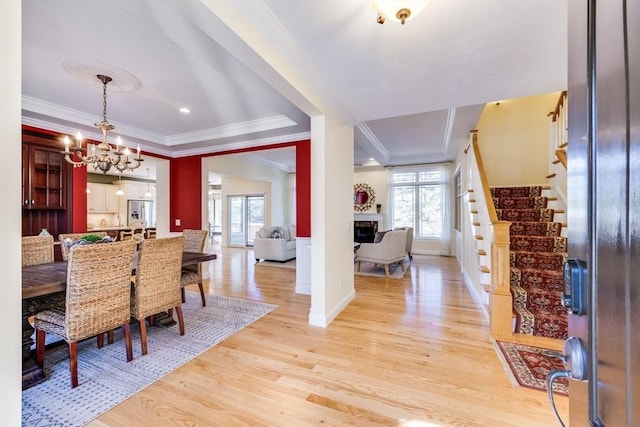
[413,351]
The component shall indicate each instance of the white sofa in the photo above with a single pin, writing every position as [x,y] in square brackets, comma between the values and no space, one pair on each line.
[275,243]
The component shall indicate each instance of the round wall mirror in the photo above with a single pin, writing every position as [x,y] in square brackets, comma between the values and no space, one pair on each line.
[363,197]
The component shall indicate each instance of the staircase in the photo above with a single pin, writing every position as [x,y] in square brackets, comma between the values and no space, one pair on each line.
[537,253]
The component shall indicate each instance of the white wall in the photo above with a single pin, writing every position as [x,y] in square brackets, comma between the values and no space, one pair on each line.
[513,139]
[377,179]
[11,178]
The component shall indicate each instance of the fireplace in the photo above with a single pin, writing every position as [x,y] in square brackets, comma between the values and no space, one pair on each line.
[364,231]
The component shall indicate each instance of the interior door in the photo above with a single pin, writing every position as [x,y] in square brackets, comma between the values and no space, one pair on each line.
[603,204]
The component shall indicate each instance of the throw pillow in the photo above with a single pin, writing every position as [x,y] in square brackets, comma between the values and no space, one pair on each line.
[277,234]
[378,237]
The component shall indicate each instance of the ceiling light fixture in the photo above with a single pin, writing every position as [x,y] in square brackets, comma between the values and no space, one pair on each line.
[185,110]
[103,161]
[398,10]
[148,193]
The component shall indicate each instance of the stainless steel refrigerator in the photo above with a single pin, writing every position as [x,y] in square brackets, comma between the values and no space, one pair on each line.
[141,210]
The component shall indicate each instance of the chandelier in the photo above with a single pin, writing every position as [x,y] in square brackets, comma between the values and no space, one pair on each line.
[106,158]
[398,10]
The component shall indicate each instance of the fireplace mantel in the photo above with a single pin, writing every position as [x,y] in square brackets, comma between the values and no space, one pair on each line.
[379,218]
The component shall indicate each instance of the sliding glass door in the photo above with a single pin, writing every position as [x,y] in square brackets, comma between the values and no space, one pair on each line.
[245,217]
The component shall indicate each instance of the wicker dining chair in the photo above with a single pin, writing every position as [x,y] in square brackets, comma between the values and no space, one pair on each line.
[157,282]
[63,239]
[37,250]
[194,241]
[97,300]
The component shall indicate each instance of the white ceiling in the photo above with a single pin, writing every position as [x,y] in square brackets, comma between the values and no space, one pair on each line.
[412,92]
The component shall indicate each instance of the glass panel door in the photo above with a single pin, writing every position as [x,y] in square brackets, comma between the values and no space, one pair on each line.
[245,217]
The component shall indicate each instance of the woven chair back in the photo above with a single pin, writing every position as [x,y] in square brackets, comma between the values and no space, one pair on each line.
[37,250]
[62,238]
[194,240]
[157,284]
[98,288]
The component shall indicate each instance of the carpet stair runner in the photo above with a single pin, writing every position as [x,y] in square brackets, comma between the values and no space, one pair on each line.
[537,254]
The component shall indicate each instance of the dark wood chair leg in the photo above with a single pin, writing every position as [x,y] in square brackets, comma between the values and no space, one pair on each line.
[126,329]
[110,336]
[183,296]
[40,336]
[143,336]
[73,363]
[100,339]
[180,319]
[202,297]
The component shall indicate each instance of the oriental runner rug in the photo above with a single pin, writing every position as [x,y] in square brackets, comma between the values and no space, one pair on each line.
[106,379]
[528,366]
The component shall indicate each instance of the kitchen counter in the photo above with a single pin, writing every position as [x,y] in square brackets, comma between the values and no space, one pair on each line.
[107,228]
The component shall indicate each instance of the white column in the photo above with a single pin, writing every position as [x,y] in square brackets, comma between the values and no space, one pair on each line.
[10,175]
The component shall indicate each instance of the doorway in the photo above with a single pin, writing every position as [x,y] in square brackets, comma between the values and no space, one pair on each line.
[245,216]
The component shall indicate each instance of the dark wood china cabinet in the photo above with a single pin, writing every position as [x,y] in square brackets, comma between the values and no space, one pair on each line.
[46,185]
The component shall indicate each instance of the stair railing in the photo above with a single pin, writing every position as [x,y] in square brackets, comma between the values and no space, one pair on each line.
[558,128]
[492,242]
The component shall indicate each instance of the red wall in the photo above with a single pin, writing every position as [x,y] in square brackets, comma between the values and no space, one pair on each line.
[185,193]
[303,188]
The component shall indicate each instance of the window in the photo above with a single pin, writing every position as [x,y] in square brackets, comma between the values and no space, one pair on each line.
[458,207]
[420,198]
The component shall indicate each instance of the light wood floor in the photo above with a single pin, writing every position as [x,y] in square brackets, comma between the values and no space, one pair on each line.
[411,352]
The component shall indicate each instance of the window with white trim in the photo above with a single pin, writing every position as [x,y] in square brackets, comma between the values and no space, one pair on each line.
[419,198]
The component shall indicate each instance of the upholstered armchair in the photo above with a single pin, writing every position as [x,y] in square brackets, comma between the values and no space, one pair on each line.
[409,239]
[391,249]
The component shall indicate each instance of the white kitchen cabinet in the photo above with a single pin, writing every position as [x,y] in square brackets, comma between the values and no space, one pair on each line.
[137,191]
[103,198]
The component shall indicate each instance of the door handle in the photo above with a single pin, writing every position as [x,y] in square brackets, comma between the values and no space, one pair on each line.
[575,363]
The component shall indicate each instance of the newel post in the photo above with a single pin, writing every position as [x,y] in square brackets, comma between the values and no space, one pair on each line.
[501,302]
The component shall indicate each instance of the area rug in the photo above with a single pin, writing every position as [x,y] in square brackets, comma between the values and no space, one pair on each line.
[287,264]
[370,269]
[106,379]
[528,366]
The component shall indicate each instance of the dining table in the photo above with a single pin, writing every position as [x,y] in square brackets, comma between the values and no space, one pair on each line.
[44,287]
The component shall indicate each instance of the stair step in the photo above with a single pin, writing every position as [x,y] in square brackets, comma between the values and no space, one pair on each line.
[474,212]
[486,288]
[525,215]
[478,237]
[476,224]
[563,145]
[481,252]
[555,162]
[484,269]
[553,175]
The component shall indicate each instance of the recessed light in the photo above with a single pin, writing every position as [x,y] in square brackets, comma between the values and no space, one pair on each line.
[185,110]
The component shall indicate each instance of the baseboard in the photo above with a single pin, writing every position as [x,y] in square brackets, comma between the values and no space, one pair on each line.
[478,299]
[324,321]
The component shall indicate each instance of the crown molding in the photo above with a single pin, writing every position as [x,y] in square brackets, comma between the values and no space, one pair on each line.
[374,141]
[235,129]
